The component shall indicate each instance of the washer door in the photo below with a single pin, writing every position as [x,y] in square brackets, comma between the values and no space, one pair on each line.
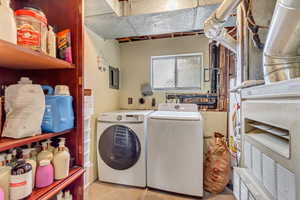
[119,147]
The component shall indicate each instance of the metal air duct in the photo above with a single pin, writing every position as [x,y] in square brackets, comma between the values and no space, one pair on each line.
[213,26]
[281,59]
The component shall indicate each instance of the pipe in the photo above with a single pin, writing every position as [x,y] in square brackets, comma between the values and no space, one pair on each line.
[226,8]
[213,26]
[281,60]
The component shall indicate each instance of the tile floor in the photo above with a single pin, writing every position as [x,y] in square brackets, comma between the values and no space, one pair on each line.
[105,191]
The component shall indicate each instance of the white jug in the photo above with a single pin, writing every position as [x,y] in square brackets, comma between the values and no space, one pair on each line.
[8,27]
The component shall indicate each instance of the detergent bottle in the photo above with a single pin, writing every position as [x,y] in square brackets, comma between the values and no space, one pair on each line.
[59,114]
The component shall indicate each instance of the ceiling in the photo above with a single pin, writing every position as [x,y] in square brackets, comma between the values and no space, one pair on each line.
[101,18]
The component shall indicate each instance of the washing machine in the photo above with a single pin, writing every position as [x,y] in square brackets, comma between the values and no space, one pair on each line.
[121,147]
[175,149]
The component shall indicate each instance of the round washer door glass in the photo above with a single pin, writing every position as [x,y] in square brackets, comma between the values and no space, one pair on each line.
[119,147]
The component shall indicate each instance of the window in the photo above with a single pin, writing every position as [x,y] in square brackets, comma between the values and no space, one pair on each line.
[178,72]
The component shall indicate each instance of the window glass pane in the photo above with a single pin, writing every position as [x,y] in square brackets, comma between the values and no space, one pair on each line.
[163,72]
[189,71]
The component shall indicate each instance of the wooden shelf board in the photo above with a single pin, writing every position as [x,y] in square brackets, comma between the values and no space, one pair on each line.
[9,143]
[48,192]
[16,57]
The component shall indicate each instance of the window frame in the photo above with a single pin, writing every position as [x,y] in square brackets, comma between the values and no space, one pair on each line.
[176,73]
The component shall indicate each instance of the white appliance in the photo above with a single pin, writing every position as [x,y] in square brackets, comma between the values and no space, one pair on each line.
[175,149]
[121,147]
[271,151]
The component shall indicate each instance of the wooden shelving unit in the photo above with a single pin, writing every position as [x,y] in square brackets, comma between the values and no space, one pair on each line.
[17,62]
[9,143]
[16,57]
[54,188]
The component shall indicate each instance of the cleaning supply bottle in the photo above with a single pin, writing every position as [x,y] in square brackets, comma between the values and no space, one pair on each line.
[68,195]
[4,177]
[8,25]
[27,158]
[59,196]
[49,146]
[37,146]
[59,114]
[45,154]
[1,194]
[33,154]
[61,162]
[44,174]
[14,155]
[61,140]
[51,42]
[9,160]
[20,180]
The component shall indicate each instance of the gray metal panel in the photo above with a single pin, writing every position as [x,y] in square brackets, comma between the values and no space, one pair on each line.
[96,7]
[110,26]
[160,23]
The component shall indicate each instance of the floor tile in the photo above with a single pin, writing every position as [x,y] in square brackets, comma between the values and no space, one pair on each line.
[106,191]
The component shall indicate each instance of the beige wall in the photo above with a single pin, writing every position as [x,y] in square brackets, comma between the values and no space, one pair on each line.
[135,62]
[134,59]
[105,99]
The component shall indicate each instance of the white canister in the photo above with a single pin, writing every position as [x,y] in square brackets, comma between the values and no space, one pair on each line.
[62,90]
[8,25]
[20,186]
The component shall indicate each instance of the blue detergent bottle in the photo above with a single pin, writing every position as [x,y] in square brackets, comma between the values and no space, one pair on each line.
[59,113]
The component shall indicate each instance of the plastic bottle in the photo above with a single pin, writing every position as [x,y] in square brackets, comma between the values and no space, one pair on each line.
[1,194]
[4,177]
[33,154]
[68,195]
[44,174]
[59,196]
[37,147]
[27,158]
[62,140]
[9,160]
[51,42]
[45,154]
[5,158]
[8,25]
[49,146]
[14,155]
[61,162]
[20,180]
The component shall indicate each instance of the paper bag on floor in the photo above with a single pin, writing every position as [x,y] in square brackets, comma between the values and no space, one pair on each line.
[217,165]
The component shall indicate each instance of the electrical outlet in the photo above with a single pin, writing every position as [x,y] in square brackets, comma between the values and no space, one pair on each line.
[130,100]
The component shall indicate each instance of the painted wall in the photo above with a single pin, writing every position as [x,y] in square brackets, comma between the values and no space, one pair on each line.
[135,62]
[105,99]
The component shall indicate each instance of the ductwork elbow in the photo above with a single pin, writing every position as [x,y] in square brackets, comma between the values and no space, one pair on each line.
[213,26]
[281,59]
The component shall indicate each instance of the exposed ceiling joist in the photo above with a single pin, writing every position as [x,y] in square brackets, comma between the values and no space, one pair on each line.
[160,36]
